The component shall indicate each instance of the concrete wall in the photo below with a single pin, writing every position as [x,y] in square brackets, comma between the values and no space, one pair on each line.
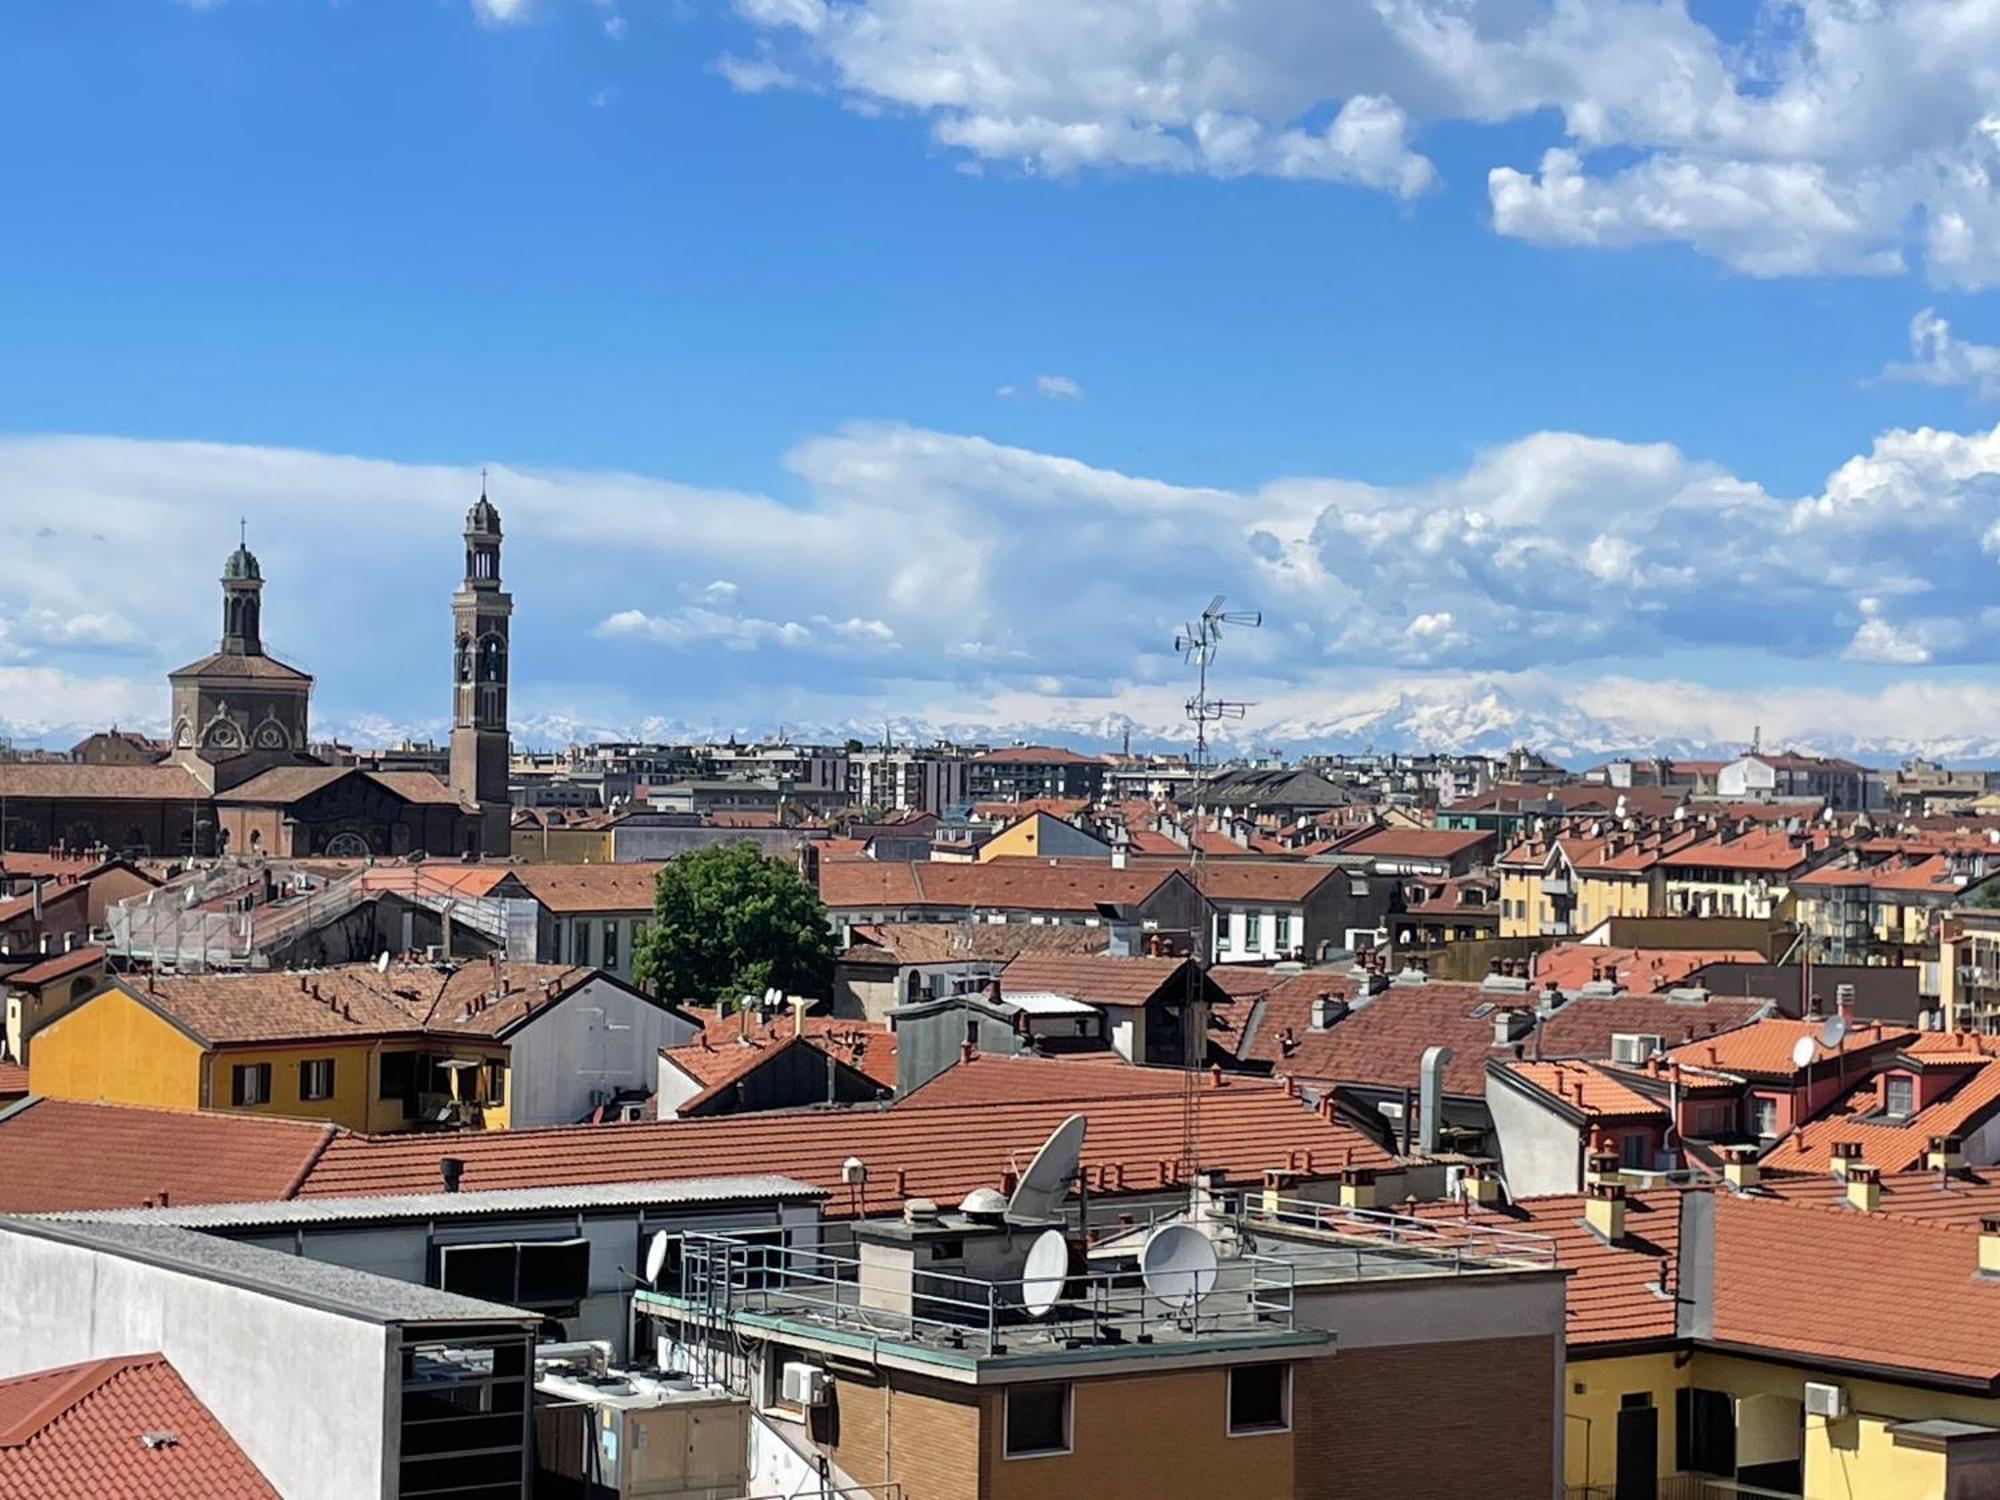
[306,1394]
[597,1040]
[629,843]
[1539,1153]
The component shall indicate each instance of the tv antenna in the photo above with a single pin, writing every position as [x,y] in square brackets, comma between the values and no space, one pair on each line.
[1197,644]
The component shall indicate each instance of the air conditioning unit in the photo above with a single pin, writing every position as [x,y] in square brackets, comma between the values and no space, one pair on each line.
[803,1384]
[1828,1401]
[1633,1048]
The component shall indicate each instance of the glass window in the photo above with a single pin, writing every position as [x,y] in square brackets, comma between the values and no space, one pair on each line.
[610,945]
[579,942]
[250,1083]
[1253,929]
[1764,1115]
[496,1083]
[316,1078]
[1260,1399]
[1037,1419]
[1901,1093]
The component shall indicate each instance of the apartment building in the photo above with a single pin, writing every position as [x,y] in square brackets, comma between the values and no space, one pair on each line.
[1019,772]
[1567,884]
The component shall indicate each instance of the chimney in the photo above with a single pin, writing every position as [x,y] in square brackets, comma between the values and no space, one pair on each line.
[799,1003]
[451,1169]
[1989,1247]
[1277,1182]
[1739,1168]
[1864,1187]
[1604,1211]
[1481,1187]
[1358,1188]
[1844,1157]
[1600,1169]
[1326,1010]
[1430,1096]
[1947,1154]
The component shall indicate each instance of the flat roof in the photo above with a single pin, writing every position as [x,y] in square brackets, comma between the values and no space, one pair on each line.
[288,1278]
[461,1205]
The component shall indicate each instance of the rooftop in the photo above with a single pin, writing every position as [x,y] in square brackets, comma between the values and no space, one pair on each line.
[1097,979]
[627,887]
[84,1430]
[1010,884]
[961,942]
[1765,1048]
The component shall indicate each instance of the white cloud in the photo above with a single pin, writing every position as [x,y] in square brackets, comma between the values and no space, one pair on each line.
[503,12]
[1058,388]
[755,75]
[1837,138]
[1939,357]
[915,565]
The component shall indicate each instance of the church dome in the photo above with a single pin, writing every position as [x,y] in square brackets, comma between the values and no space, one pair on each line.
[242,565]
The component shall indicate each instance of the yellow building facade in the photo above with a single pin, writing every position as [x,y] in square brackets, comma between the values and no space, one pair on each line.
[115,1048]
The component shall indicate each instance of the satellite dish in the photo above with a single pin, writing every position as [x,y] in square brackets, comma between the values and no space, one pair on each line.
[382,963]
[773,998]
[1802,1052]
[1045,1272]
[1833,1033]
[1046,1182]
[656,1257]
[1178,1265]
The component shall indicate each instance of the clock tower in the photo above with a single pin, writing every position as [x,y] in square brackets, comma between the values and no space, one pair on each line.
[480,612]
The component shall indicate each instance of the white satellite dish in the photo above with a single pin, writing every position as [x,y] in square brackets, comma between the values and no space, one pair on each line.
[656,1257]
[1045,1272]
[773,998]
[1802,1052]
[1833,1033]
[1046,1182]
[382,963]
[1178,1265]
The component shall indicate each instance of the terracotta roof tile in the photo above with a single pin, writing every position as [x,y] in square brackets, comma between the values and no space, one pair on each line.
[84,1429]
[1960,1198]
[61,966]
[1642,971]
[1095,979]
[108,783]
[235,664]
[954,942]
[1413,843]
[725,1050]
[591,888]
[1257,880]
[1036,755]
[1892,1145]
[56,1156]
[999,885]
[935,1151]
[13,1082]
[1765,1049]
[1596,1092]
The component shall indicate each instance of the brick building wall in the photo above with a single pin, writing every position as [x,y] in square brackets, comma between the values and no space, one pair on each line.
[1438,1421]
[922,1434]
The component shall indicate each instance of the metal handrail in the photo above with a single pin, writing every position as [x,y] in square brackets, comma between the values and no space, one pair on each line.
[1463,1242]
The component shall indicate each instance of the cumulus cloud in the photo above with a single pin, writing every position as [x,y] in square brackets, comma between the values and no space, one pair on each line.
[1058,388]
[1832,138]
[913,564]
[1940,357]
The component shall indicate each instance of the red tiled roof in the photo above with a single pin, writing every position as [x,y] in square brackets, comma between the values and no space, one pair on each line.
[61,966]
[1036,755]
[1642,971]
[1764,848]
[1933,874]
[85,1430]
[1009,884]
[101,783]
[1961,1198]
[1063,808]
[1593,1091]
[623,887]
[1615,852]
[731,1050]
[1613,1292]
[1413,843]
[1765,1048]
[57,1156]
[1256,880]
[987,1079]
[1095,979]
[1585,1026]
[942,1151]
[1909,1296]
[1893,1145]
[13,1082]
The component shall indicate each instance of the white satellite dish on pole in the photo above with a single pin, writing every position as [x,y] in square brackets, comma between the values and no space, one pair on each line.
[1178,1265]
[1833,1033]
[1046,1182]
[1802,1052]
[1045,1272]
[656,1257]
[382,963]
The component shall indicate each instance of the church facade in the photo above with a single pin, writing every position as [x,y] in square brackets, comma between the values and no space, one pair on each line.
[237,777]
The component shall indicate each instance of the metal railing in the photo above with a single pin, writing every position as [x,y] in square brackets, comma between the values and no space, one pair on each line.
[1450,1246]
[723,1277]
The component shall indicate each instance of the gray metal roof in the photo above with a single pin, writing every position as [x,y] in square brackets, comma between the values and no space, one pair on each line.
[289,1278]
[440,1205]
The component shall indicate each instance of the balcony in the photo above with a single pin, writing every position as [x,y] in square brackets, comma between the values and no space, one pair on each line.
[1555,927]
[1556,885]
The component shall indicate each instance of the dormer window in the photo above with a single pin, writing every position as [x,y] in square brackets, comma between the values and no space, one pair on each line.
[1899,1095]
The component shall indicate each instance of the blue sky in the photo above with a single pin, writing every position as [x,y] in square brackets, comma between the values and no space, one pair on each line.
[728,295]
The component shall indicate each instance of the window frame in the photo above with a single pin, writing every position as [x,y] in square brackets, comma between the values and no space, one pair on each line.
[306,1096]
[1068,1389]
[1284,1423]
[238,1095]
[1908,1086]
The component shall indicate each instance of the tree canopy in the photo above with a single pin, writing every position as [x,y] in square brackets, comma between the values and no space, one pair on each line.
[728,921]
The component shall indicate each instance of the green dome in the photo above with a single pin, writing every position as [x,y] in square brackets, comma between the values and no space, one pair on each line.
[242,564]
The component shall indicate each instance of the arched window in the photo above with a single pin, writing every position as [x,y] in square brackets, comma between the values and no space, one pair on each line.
[465,658]
[492,659]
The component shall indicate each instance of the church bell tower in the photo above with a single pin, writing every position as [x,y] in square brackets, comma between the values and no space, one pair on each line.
[480,612]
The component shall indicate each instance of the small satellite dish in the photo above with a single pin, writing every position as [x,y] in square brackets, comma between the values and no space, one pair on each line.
[773,998]
[1046,1271]
[1046,1182]
[656,1257]
[1833,1033]
[1178,1265]
[382,963]
[1802,1052]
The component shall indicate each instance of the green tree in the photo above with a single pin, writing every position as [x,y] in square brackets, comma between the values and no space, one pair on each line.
[727,921]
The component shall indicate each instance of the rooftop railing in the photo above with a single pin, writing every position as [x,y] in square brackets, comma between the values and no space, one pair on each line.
[723,1277]
[1377,1242]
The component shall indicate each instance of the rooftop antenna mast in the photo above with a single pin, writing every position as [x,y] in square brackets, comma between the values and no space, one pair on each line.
[1197,644]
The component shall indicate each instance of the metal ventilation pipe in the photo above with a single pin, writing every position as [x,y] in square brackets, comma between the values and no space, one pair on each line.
[1430,1105]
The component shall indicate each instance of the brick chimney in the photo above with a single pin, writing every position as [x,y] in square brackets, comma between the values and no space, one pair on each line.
[1604,1211]
[1739,1167]
[1864,1187]
[1845,1155]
